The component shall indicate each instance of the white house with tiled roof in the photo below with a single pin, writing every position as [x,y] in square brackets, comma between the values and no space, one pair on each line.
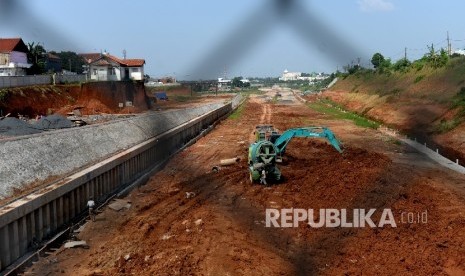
[105,67]
[13,57]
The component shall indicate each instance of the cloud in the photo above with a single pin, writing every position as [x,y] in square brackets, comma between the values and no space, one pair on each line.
[375,5]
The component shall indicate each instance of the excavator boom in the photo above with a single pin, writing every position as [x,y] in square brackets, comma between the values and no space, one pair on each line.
[313,132]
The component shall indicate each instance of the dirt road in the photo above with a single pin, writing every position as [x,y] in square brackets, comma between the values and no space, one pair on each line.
[219,228]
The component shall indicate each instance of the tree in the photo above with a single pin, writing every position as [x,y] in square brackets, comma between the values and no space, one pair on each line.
[443,57]
[36,56]
[402,64]
[146,78]
[236,82]
[434,59]
[377,60]
[71,61]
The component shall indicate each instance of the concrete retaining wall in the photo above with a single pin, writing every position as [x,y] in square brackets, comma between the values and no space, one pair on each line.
[43,213]
[40,156]
[16,81]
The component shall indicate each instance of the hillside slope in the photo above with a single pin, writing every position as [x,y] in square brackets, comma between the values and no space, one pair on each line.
[423,102]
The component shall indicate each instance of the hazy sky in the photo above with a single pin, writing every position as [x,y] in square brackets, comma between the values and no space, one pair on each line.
[241,37]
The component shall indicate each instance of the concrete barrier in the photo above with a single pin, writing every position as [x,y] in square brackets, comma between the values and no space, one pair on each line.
[39,215]
[38,157]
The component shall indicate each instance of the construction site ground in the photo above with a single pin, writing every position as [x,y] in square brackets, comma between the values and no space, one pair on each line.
[219,227]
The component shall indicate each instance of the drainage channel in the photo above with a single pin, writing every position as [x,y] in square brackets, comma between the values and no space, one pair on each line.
[47,218]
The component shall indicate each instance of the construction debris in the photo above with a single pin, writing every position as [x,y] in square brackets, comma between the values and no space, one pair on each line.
[230,161]
[74,244]
[54,122]
[80,229]
[11,126]
[119,204]
[190,194]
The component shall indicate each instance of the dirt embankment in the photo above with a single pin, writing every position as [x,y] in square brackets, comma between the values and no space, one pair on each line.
[420,103]
[94,98]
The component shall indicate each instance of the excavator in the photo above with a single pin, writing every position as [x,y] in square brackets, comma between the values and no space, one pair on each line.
[270,145]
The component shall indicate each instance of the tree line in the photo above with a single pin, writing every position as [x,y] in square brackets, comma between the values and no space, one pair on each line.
[433,58]
[37,56]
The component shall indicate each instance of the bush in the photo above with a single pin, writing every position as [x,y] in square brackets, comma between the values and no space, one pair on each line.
[419,78]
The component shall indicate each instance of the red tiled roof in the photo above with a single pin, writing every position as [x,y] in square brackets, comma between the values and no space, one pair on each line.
[52,56]
[101,62]
[10,44]
[134,62]
[90,57]
[127,62]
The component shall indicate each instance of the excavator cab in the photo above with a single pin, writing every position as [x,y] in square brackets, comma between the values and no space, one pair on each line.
[265,133]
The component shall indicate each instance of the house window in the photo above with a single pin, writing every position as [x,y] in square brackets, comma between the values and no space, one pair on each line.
[111,71]
[94,72]
[135,69]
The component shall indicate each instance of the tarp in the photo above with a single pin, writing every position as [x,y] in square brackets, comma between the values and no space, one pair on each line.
[161,95]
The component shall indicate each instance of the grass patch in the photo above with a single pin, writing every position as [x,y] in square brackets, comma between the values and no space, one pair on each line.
[419,78]
[238,112]
[249,92]
[335,111]
[183,98]
[3,94]
[446,126]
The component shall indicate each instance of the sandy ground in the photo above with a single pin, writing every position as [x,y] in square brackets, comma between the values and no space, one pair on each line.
[221,230]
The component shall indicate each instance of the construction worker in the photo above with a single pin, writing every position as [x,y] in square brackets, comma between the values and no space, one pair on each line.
[263,178]
[91,205]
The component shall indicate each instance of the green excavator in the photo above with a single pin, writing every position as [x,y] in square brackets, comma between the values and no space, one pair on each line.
[270,145]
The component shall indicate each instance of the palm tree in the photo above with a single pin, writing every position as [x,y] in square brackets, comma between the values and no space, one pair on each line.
[37,57]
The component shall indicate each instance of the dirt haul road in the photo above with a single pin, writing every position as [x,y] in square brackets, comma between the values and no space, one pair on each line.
[219,228]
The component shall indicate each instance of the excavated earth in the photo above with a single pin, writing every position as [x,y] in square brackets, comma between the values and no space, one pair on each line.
[219,228]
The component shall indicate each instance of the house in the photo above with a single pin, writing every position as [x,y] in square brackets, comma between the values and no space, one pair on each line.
[290,76]
[224,84]
[13,57]
[52,63]
[105,67]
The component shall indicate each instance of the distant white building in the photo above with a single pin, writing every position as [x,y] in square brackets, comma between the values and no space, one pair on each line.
[290,76]
[318,77]
[460,52]
[224,83]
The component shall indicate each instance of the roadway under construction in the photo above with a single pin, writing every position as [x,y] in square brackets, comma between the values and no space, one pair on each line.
[191,220]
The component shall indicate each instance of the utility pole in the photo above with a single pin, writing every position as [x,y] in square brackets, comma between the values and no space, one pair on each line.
[449,46]
[405,54]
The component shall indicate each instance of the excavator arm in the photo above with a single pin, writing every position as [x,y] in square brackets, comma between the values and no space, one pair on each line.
[314,132]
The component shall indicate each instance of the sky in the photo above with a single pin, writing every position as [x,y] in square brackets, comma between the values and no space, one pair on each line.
[206,39]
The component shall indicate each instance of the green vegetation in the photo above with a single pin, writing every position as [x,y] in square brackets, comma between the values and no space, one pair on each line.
[3,94]
[237,82]
[329,107]
[36,56]
[238,112]
[248,92]
[183,98]
[447,125]
[161,88]
[71,61]
[419,78]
